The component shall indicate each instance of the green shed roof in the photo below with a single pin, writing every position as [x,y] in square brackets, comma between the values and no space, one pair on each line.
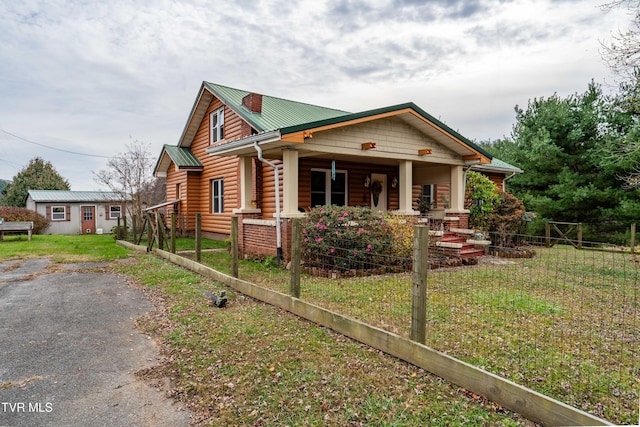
[74,196]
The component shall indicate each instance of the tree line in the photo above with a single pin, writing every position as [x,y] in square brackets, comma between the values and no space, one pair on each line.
[581,153]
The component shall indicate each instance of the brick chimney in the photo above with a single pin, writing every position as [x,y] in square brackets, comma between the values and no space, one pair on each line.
[253,102]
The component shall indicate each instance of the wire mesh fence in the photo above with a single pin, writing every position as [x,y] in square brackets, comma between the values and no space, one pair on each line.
[374,288]
[560,320]
[557,319]
[556,316]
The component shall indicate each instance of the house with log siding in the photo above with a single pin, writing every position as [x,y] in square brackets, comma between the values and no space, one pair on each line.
[268,160]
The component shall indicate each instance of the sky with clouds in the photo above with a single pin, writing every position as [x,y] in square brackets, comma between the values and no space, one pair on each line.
[91,77]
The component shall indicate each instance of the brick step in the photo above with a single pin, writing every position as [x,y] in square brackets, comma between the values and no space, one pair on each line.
[471,253]
[453,239]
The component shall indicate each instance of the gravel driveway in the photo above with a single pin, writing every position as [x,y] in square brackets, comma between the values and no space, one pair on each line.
[69,350]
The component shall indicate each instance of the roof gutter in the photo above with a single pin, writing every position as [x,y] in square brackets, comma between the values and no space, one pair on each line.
[504,181]
[276,173]
[259,138]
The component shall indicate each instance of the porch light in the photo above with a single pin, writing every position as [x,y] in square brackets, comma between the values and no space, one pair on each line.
[394,182]
[367,181]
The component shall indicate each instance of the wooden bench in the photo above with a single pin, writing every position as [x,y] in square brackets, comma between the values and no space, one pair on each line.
[16,227]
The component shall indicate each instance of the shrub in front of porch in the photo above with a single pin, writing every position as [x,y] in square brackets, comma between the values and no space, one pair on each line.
[481,196]
[346,238]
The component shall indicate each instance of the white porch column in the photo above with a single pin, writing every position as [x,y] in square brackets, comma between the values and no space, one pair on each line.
[246,186]
[406,182]
[457,189]
[290,184]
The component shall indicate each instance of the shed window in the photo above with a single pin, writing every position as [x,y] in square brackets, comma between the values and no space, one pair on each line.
[216,125]
[115,212]
[58,213]
[327,191]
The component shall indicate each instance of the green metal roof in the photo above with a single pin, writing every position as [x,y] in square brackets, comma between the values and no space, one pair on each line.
[182,157]
[498,166]
[369,113]
[74,196]
[276,113]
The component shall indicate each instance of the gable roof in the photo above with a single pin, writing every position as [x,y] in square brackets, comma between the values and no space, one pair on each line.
[182,157]
[284,121]
[276,112]
[388,111]
[64,196]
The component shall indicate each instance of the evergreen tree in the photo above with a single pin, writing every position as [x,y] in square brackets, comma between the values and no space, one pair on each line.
[37,175]
[565,147]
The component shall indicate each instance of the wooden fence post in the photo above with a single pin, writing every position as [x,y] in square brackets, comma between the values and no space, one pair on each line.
[419,283]
[547,233]
[633,238]
[198,236]
[159,231]
[124,235]
[579,235]
[117,229]
[234,246]
[134,226]
[174,222]
[149,232]
[296,255]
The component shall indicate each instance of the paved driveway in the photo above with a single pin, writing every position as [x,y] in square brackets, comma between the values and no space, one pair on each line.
[68,350]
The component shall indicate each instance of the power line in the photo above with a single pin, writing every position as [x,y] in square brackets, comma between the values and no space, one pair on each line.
[54,148]
[60,149]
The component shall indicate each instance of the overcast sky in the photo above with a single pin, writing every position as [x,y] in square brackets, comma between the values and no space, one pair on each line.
[92,76]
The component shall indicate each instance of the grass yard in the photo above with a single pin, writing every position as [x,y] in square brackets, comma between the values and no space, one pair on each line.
[253,364]
[62,249]
[565,323]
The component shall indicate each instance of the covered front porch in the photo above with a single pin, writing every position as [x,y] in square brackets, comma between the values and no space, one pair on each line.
[386,160]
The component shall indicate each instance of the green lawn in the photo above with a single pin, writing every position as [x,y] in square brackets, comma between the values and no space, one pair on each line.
[75,248]
[564,323]
[253,364]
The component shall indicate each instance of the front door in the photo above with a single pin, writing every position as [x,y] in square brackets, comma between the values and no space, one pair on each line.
[378,192]
[88,219]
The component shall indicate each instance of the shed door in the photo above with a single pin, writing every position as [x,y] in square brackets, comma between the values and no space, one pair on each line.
[88,219]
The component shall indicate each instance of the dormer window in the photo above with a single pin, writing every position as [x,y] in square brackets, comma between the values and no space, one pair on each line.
[216,123]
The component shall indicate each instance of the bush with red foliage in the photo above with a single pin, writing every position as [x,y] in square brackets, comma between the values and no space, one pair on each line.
[11,213]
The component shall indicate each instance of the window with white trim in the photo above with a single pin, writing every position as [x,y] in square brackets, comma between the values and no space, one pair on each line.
[58,213]
[115,212]
[327,191]
[216,125]
[217,196]
[428,195]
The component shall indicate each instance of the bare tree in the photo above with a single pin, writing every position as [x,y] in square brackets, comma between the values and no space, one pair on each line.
[623,53]
[130,175]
